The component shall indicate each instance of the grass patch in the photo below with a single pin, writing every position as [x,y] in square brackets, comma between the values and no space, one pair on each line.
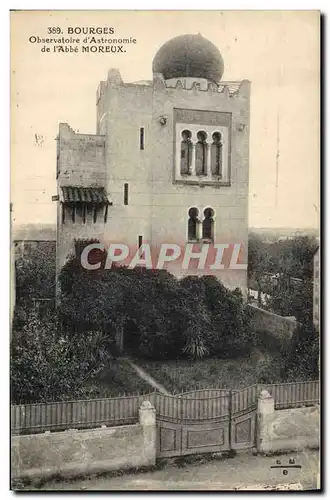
[185,375]
[118,378]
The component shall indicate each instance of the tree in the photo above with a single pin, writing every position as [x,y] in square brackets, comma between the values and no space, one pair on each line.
[294,257]
[35,275]
[290,298]
[197,318]
[290,293]
[223,318]
[46,365]
[259,264]
[302,360]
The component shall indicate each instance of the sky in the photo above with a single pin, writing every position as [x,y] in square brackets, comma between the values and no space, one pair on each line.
[278,51]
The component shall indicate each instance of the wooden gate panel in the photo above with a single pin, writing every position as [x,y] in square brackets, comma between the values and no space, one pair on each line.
[205,438]
[243,418]
[169,439]
[192,425]
[243,431]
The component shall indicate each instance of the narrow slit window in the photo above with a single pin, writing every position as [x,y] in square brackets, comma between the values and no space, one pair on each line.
[84,209]
[193,224]
[208,224]
[216,154]
[186,152]
[142,138]
[125,193]
[140,241]
[95,215]
[200,153]
[73,213]
[63,214]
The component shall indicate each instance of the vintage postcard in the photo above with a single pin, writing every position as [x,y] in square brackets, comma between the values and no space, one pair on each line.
[165,258]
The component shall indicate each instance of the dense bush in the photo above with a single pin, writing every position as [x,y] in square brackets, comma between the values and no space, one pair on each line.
[283,270]
[292,299]
[292,257]
[35,274]
[302,360]
[159,315]
[48,365]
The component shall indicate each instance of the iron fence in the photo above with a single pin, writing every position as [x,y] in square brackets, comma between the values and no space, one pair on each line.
[294,394]
[205,404]
[84,414]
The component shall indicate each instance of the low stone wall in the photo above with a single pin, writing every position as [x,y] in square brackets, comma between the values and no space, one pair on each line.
[286,430]
[72,453]
[278,327]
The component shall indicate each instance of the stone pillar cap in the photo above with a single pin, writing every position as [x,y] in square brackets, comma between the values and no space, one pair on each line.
[264,394]
[146,405]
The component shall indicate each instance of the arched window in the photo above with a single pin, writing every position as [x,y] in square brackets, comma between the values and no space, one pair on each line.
[208,224]
[193,223]
[216,154]
[201,153]
[186,148]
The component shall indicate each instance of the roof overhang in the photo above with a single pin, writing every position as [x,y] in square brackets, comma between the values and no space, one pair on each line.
[86,195]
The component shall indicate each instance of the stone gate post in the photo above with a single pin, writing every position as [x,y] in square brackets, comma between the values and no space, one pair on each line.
[147,419]
[265,412]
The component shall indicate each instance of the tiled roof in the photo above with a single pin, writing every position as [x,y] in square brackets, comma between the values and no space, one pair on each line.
[74,194]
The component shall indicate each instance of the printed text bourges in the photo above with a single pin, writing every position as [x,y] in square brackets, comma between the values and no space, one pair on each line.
[71,40]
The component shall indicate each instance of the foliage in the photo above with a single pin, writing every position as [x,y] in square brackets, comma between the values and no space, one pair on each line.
[158,315]
[271,370]
[35,274]
[283,270]
[48,365]
[260,264]
[292,299]
[302,360]
[292,257]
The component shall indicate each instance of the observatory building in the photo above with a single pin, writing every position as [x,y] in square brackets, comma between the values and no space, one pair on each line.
[169,162]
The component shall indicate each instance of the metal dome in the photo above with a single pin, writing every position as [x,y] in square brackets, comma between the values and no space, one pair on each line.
[189,56]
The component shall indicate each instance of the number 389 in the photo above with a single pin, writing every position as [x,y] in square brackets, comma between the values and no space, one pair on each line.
[54,31]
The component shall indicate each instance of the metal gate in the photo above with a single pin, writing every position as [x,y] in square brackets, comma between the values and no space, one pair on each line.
[243,418]
[205,421]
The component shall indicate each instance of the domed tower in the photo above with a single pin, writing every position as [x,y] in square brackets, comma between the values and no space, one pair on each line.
[189,56]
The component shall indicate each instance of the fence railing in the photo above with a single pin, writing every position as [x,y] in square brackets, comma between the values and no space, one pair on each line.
[244,399]
[180,408]
[195,405]
[294,394]
[84,414]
